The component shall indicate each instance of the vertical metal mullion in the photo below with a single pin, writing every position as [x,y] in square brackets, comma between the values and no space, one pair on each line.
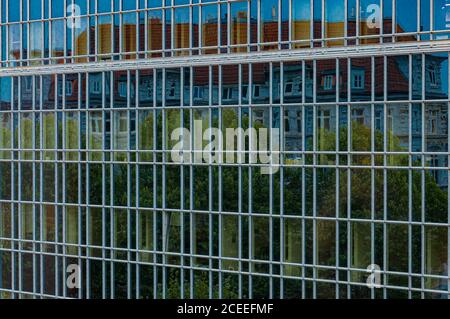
[314,203]
[349,172]
[410,176]
[385,149]
[281,142]
[346,25]
[112,211]
[358,19]
[394,20]
[19,190]
[129,150]
[182,177]
[303,191]
[220,192]
[279,25]
[104,190]
[64,168]
[33,145]
[250,188]
[323,33]
[270,109]
[240,187]
[338,88]
[88,234]
[41,192]
[80,194]
[210,187]
[290,21]
[373,172]
[448,189]
[155,257]
[191,191]
[422,182]
[137,174]
[14,142]
[165,215]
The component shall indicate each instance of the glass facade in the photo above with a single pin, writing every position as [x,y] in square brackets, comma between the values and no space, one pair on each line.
[91,93]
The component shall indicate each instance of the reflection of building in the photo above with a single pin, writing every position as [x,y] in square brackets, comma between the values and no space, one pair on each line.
[93,140]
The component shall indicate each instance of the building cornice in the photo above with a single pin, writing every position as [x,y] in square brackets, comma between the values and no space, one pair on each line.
[386,49]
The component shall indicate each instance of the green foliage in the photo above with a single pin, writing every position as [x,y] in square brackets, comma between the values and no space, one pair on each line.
[397,197]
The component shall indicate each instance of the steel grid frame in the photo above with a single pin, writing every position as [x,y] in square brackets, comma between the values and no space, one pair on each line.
[160,257]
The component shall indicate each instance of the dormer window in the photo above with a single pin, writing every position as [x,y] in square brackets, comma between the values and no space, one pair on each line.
[122,89]
[95,87]
[432,77]
[358,79]
[198,92]
[227,94]
[288,88]
[256,90]
[327,82]
[68,88]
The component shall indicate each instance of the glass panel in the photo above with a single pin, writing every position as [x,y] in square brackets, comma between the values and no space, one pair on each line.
[14,42]
[441,19]
[146,234]
[293,83]
[182,31]
[201,238]
[120,136]
[360,79]
[72,134]
[154,30]
[406,19]
[209,27]
[436,244]
[361,248]
[370,26]
[260,243]
[35,9]
[145,131]
[57,9]
[326,242]
[261,83]
[57,35]
[36,48]
[425,6]
[239,17]
[334,21]
[129,34]
[13,11]
[397,248]
[71,230]
[230,242]
[436,76]
[95,134]
[398,77]
[120,230]
[326,128]
[173,236]
[293,247]
[301,27]
[5,135]
[104,33]
[269,22]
